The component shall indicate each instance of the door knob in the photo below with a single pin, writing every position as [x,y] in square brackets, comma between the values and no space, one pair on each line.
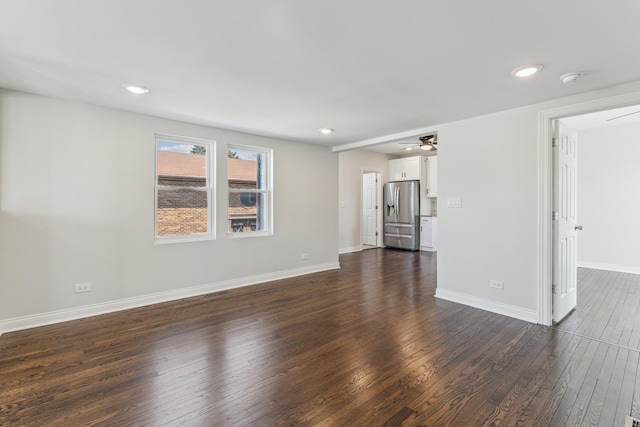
[578,227]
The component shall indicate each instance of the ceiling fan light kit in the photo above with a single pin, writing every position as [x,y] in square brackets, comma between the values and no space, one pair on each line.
[427,143]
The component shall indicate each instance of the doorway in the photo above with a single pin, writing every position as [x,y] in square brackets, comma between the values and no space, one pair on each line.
[607,270]
[371,197]
[546,190]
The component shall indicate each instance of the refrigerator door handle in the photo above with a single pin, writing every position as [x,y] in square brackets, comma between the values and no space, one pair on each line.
[400,236]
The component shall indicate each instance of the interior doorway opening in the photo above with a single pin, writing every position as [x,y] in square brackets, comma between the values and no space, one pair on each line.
[602,174]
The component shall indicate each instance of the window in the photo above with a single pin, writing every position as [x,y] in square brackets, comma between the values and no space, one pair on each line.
[250,193]
[184,189]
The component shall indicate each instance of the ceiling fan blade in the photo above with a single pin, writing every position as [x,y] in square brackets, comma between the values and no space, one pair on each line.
[624,115]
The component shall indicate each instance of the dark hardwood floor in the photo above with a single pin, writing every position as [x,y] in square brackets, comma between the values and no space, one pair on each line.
[608,304]
[366,345]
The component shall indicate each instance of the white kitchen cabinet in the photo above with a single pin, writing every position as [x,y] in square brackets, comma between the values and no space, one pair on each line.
[428,233]
[434,233]
[432,176]
[405,169]
[417,168]
[426,236]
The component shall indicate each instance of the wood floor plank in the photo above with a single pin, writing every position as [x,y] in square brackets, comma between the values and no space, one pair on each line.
[559,391]
[611,408]
[587,386]
[634,339]
[512,402]
[365,345]
[608,304]
[597,398]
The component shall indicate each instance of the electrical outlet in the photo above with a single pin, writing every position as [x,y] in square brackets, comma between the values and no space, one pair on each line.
[497,284]
[305,256]
[83,287]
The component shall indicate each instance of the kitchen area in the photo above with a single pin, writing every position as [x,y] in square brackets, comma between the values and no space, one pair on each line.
[410,204]
[365,218]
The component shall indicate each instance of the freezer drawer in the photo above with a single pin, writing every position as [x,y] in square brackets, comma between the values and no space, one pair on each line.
[399,228]
[401,241]
[403,236]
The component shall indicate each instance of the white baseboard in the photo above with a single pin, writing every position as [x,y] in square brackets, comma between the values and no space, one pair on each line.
[349,250]
[58,316]
[610,267]
[488,305]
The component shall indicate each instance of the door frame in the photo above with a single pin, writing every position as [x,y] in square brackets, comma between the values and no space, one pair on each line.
[545,189]
[378,173]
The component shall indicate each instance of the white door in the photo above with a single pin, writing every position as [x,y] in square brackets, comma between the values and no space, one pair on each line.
[369,209]
[565,174]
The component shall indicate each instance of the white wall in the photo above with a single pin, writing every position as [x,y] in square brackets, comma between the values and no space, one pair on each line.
[491,162]
[77,205]
[351,165]
[608,197]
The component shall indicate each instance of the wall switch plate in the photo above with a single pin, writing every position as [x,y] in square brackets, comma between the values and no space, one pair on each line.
[496,284]
[454,202]
[305,256]
[83,287]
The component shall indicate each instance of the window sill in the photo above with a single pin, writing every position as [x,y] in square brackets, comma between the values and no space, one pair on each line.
[187,239]
[245,234]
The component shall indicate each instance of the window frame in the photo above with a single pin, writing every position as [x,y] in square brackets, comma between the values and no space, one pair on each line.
[209,188]
[268,192]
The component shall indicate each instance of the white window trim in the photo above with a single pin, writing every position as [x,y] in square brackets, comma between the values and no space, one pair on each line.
[210,188]
[269,192]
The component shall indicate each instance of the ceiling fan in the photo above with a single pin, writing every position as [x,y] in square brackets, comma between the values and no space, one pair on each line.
[624,115]
[427,143]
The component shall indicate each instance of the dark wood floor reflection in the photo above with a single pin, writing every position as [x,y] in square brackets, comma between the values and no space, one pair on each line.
[366,345]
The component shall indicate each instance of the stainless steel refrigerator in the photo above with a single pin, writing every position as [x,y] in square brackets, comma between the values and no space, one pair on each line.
[402,215]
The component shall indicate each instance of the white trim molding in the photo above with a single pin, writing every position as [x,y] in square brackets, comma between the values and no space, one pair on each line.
[363,144]
[349,250]
[488,305]
[545,190]
[632,269]
[58,316]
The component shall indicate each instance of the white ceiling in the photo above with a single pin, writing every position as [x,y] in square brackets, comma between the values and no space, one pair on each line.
[285,68]
[616,117]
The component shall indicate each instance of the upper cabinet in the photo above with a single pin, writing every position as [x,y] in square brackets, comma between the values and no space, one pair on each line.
[432,176]
[417,168]
[405,169]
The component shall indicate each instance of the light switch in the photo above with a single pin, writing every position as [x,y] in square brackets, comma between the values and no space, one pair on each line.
[454,202]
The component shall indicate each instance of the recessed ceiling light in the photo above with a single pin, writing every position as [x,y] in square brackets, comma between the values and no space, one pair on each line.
[526,71]
[138,90]
[326,131]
